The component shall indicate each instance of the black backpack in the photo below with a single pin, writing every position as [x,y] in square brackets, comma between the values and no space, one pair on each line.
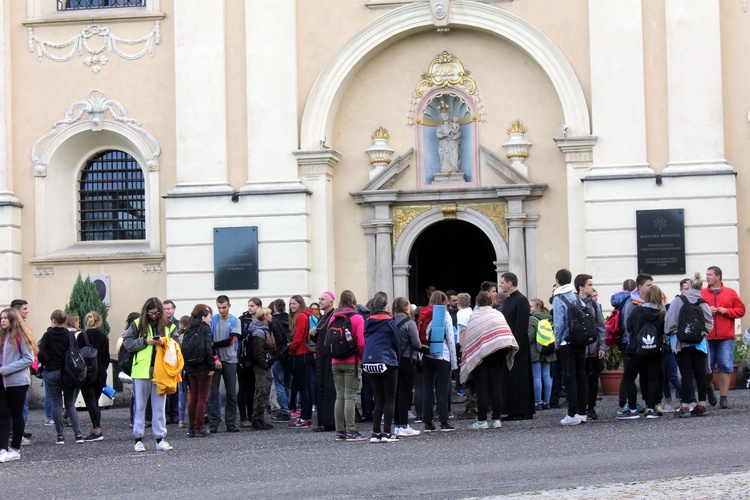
[90,356]
[691,326]
[245,350]
[648,341]
[74,367]
[193,347]
[339,342]
[582,329]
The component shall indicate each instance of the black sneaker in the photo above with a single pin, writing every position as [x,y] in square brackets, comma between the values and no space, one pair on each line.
[233,429]
[259,425]
[699,411]
[683,412]
[469,414]
[191,433]
[92,438]
[446,427]
[212,429]
[711,393]
[591,415]
[281,417]
[429,427]
[723,403]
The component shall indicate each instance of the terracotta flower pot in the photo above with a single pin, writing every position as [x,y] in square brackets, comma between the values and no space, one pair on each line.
[732,379]
[610,380]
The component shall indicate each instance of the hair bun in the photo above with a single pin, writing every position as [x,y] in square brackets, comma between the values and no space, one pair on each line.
[697,275]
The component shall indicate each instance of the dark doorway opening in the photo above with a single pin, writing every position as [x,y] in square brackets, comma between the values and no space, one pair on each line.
[450,254]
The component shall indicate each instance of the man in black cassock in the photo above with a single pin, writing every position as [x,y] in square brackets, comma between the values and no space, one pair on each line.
[518,383]
[325,391]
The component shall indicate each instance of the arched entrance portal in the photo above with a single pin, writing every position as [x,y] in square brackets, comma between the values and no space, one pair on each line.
[451,254]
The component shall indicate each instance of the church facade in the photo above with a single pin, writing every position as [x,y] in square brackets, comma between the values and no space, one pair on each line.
[369,145]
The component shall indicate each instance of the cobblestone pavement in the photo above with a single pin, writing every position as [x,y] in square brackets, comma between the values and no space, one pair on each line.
[736,485]
[662,458]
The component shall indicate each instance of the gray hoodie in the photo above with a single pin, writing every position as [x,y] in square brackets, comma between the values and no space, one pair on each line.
[15,365]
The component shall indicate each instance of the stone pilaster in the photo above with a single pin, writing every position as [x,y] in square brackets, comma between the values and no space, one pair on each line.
[316,173]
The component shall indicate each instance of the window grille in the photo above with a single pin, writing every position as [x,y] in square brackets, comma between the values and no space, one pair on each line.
[112,198]
[97,4]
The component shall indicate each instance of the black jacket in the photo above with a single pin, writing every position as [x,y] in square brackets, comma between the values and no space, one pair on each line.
[100,342]
[209,363]
[53,346]
[281,334]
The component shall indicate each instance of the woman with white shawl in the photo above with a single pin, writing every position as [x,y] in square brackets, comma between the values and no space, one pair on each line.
[487,344]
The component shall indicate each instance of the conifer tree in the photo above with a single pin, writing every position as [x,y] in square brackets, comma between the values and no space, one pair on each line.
[83,299]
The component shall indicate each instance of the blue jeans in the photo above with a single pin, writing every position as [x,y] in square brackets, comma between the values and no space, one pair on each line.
[304,371]
[670,375]
[721,355]
[47,397]
[282,381]
[182,399]
[229,373]
[541,372]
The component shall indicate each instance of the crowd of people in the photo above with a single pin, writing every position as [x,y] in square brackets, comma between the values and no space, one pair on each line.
[507,356]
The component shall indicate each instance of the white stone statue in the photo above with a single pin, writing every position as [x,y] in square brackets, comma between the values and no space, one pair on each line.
[449,140]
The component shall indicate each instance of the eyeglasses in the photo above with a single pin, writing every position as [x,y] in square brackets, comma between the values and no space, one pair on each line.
[154,313]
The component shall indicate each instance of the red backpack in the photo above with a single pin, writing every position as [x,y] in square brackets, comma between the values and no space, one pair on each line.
[614,329]
[425,318]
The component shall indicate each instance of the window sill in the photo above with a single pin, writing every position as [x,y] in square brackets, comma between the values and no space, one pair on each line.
[101,251]
[93,17]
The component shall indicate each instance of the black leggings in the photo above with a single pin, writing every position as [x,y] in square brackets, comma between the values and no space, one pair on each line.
[651,368]
[245,392]
[384,387]
[692,362]
[11,407]
[406,372]
[91,395]
[487,383]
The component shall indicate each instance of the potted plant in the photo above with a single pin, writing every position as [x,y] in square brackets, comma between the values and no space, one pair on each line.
[612,374]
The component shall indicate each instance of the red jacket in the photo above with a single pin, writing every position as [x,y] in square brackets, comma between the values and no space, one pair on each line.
[723,323]
[301,329]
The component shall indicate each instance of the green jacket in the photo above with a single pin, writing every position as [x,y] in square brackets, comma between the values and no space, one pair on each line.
[144,354]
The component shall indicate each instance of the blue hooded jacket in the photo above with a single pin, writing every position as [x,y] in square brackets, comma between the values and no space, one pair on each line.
[381,340]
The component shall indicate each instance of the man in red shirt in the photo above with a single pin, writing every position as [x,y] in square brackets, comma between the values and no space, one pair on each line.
[726,307]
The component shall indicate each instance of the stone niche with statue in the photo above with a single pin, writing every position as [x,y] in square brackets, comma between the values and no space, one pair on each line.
[445,110]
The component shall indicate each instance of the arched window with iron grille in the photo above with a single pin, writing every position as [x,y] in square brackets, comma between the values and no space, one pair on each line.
[112,199]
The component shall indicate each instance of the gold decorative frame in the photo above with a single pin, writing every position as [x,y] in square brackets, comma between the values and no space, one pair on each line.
[494,211]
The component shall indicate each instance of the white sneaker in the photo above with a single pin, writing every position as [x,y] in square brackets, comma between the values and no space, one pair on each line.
[139,446]
[3,456]
[496,424]
[411,416]
[25,441]
[582,418]
[12,455]
[410,432]
[667,408]
[568,420]
[163,446]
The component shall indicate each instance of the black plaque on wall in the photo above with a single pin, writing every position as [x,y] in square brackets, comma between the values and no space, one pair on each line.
[661,241]
[236,258]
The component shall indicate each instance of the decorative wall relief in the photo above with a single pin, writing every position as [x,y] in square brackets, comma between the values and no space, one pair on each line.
[96,55]
[445,109]
[95,107]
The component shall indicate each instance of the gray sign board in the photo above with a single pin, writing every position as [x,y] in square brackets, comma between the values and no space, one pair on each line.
[236,258]
[661,241]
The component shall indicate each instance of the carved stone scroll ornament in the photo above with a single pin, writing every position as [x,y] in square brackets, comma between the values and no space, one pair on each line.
[96,56]
[95,107]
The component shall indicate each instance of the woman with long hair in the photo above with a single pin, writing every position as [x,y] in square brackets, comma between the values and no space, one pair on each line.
[345,371]
[18,349]
[52,348]
[691,358]
[437,368]
[381,361]
[304,362]
[94,337]
[245,378]
[141,338]
[199,372]
[409,349]
[649,316]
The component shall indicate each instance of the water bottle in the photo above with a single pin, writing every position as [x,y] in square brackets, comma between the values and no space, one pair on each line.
[348,335]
